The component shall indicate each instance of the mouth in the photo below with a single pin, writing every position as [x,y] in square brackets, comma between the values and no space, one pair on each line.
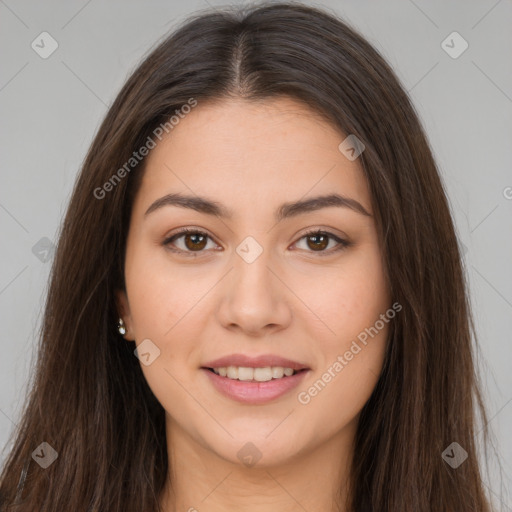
[256,380]
[260,374]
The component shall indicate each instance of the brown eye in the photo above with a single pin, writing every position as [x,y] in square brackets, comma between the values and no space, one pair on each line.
[318,241]
[194,241]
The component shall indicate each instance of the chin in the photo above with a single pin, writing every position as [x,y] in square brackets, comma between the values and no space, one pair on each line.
[253,447]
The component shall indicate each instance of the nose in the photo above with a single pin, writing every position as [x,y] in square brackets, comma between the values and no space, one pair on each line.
[254,297]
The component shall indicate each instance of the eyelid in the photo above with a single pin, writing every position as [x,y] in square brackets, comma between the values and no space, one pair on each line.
[184,231]
[343,242]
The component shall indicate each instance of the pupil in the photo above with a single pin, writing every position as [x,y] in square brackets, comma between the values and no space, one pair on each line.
[314,237]
[194,243]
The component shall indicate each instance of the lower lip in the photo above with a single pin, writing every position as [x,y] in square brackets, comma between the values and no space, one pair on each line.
[255,393]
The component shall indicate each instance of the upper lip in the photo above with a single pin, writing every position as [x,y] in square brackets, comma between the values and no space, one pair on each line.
[255,362]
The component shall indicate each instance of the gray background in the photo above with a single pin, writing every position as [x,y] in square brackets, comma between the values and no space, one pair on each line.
[52,107]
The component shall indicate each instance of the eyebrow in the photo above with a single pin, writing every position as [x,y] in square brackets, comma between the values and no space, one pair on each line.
[286,210]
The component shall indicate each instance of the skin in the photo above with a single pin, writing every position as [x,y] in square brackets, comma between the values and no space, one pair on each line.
[291,301]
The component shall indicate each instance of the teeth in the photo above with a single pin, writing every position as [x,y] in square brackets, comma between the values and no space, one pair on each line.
[247,373]
[257,374]
[277,372]
[232,372]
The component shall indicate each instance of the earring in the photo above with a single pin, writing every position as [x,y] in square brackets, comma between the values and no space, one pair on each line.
[120,327]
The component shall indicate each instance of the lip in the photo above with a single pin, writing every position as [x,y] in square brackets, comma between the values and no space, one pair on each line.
[251,392]
[260,361]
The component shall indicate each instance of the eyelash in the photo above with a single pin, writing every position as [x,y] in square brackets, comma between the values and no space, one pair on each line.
[342,244]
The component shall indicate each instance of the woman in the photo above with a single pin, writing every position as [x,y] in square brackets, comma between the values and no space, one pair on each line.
[257,301]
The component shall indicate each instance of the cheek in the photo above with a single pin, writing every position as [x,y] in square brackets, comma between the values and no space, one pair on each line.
[354,347]
[350,369]
[162,302]
[166,308]
[160,293]
[364,331]
[353,297]
[337,398]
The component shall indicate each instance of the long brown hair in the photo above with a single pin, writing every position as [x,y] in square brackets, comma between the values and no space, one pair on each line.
[89,399]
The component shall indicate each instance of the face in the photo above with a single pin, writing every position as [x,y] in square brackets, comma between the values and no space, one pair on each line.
[256,280]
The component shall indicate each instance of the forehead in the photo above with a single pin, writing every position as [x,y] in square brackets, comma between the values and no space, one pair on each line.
[252,153]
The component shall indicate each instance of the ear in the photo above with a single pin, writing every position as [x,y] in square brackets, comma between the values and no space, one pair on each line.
[123,309]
